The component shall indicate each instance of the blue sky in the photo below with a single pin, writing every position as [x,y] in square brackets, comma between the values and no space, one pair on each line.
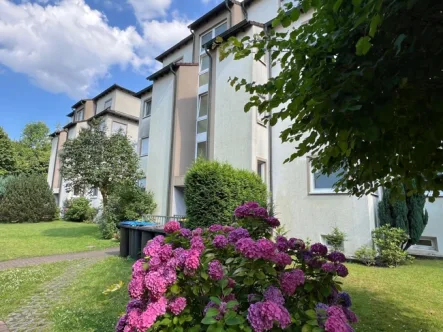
[53,53]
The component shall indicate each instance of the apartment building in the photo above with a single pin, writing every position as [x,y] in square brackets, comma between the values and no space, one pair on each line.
[190,110]
[119,110]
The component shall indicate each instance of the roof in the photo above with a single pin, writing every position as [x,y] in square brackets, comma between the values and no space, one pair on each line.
[241,26]
[72,124]
[79,103]
[143,91]
[172,49]
[112,88]
[214,11]
[117,114]
[165,70]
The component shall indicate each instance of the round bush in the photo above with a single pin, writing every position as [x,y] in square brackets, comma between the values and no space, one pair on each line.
[78,209]
[214,190]
[27,198]
[221,278]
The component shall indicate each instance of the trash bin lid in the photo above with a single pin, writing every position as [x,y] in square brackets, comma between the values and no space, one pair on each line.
[134,223]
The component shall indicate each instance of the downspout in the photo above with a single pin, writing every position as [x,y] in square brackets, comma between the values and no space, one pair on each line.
[230,12]
[55,163]
[193,44]
[271,178]
[171,152]
[208,135]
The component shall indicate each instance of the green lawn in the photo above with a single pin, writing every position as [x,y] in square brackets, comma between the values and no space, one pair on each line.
[18,284]
[88,308]
[49,238]
[407,298]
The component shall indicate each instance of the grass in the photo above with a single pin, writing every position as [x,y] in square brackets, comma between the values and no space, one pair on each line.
[407,298]
[18,284]
[49,238]
[88,308]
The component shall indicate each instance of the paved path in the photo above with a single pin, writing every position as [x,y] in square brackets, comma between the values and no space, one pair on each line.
[23,262]
[32,316]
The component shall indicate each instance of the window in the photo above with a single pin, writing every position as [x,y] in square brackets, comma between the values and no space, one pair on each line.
[144,146]
[78,191]
[118,127]
[94,192]
[108,104]
[261,169]
[202,126]
[325,241]
[323,184]
[426,243]
[147,108]
[80,115]
[142,183]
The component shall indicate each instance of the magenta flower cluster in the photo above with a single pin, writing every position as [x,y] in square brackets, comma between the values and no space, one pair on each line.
[335,318]
[171,227]
[215,270]
[251,209]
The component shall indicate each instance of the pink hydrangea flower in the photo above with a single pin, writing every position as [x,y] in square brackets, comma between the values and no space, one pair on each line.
[267,249]
[228,229]
[337,321]
[289,281]
[220,241]
[248,248]
[197,232]
[185,232]
[282,259]
[156,284]
[165,252]
[138,268]
[177,305]
[135,287]
[197,244]
[231,283]
[192,260]
[171,226]
[215,270]
[153,310]
[215,228]
[152,248]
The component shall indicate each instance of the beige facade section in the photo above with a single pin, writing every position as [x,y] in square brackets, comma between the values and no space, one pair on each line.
[126,103]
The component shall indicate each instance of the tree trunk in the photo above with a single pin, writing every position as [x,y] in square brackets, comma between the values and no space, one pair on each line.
[104,196]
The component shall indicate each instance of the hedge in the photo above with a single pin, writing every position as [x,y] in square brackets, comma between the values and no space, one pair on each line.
[214,190]
[27,199]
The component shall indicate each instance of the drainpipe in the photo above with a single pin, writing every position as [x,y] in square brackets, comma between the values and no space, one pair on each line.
[208,138]
[271,178]
[230,12]
[243,9]
[55,163]
[193,44]
[171,153]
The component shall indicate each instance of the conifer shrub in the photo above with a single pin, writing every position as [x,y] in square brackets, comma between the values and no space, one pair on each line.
[27,198]
[214,190]
[78,209]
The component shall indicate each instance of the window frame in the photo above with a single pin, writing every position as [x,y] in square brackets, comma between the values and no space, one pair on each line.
[201,137]
[141,147]
[147,101]
[120,123]
[262,165]
[104,105]
[433,247]
[94,192]
[80,111]
[312,190]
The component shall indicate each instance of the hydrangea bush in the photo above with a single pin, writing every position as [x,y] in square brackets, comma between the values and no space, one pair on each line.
[227,278]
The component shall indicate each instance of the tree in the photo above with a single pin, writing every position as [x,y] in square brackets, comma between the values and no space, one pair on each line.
[33,150]
[360,88]
[95,160]
[407,213]
[7,158]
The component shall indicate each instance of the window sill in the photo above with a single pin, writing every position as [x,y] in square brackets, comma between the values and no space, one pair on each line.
[147,116]
[327,193]
[144,155]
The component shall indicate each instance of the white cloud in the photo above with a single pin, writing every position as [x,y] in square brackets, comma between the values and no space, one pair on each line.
[67,47]
[148,9]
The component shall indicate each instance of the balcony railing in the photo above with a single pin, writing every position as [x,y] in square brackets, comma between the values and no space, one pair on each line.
[162,220]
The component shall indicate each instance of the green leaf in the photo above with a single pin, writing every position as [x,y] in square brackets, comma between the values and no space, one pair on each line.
[356,3]
[165,321]
[224,283]
[204,275]
[231,304]
[306,328]
[363,45]
[337,5]
[216,300]
[375,22]
[212,312]
[208,321]
[234,321]
[295,14]
[175,289]
[399,41]
[311,313]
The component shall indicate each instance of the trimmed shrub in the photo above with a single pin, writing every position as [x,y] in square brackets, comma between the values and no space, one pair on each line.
[389,242]
[127,202]
[27,199]
[336,238]
[366,255]
[222,278]
[3,181]
[214,190]
[78,209]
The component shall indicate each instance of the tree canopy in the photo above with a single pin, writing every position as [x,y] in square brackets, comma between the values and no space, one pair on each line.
[7,160]
[95,160]
[360,88]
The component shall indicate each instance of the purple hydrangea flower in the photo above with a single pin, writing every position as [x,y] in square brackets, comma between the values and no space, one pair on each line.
[197,232]
[120,327]
[185,232]
[237,234]
[171,226]
[319,249]
[263,315]
[344,299]
[296,244]
[192,260]
[197,244]
[282,259]
[215,270]
[156,284]
[350,315]
[215,228]
[342,270]
[282,243]
[274,294]
[248,248]
[228,229]
[337,257]
[220,241]
[337,320]
[273,222]
[328,267]
[289,281]
[266,248]
[177,305]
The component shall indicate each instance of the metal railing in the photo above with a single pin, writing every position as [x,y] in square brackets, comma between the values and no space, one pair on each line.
[162,220]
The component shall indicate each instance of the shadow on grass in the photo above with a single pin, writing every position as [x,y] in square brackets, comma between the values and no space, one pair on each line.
[378,314]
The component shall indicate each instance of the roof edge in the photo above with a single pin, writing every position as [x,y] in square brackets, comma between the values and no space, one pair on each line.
[166,69]
[170,50]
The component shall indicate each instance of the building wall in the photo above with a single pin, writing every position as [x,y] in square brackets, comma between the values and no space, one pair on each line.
[143,130]
[185,52]
[131,127]
[100,104]
[263,10]
[125,103]
[160,136]
[52,160]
